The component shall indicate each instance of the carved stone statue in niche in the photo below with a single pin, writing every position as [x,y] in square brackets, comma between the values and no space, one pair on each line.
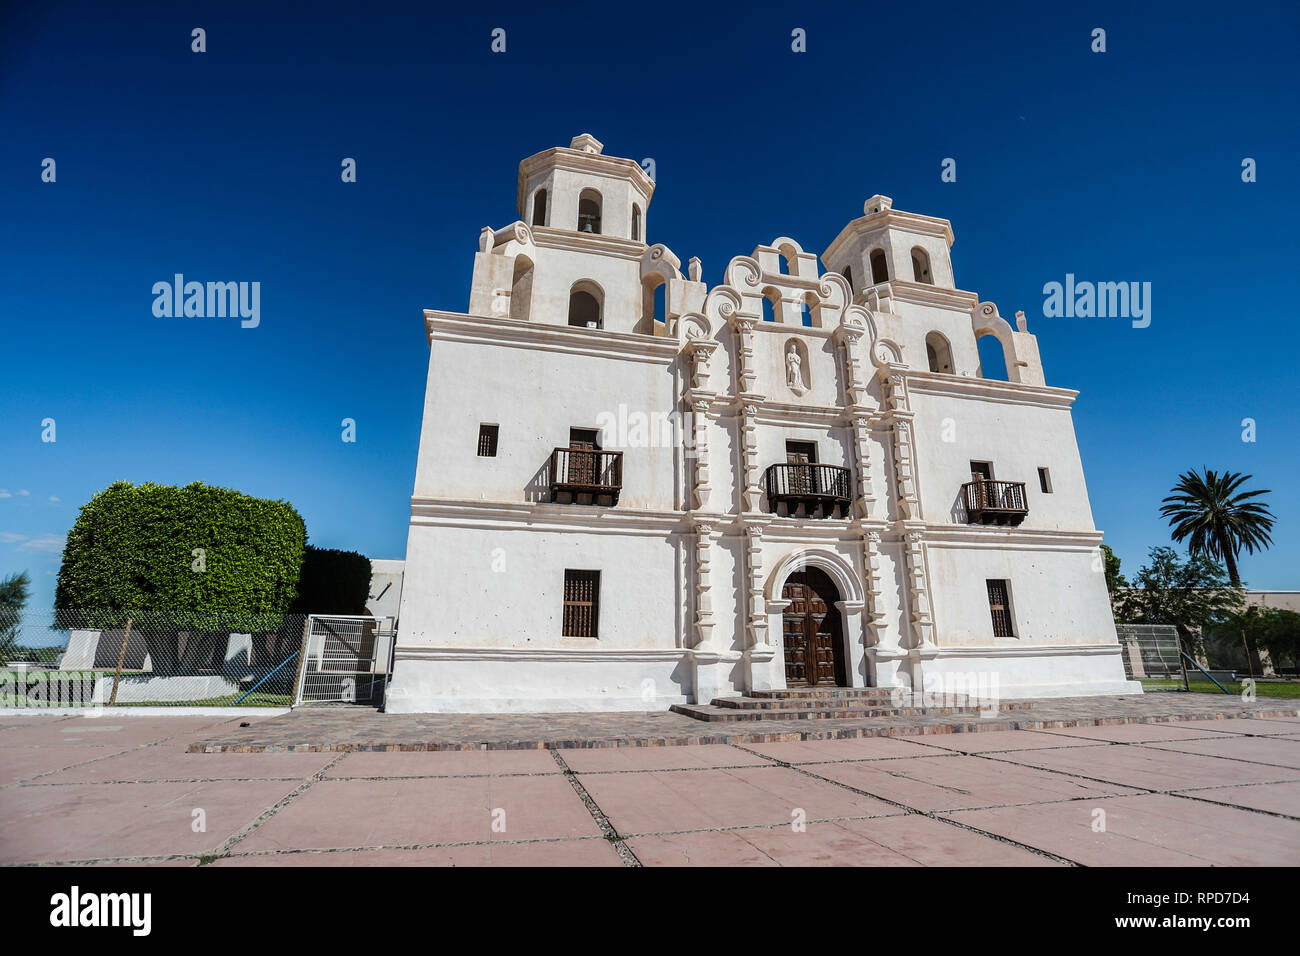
[793,369]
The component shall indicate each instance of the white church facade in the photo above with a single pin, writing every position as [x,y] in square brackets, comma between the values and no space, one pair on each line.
[635,489]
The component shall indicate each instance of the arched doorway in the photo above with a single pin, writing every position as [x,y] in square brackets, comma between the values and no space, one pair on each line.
[811,631]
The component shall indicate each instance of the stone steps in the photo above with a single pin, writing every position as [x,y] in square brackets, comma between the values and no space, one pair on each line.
[829,704]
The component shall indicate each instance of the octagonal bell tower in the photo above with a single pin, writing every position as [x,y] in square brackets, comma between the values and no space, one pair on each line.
[581,190]
[886,245]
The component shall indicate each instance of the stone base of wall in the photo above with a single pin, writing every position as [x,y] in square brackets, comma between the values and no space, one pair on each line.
[446,680]
[1012,673]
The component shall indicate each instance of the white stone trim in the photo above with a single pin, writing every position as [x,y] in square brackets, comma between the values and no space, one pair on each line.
[545,337]
[424,652]
[989,389]
[461,513]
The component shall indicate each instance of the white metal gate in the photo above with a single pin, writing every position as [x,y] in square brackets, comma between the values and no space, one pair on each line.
[347,659]
[1151,651]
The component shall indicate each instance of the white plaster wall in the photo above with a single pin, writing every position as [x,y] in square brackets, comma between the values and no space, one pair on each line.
[916,321]
[535,396]
[504,587]
[558,685]
[823,364]
[557,270]
[385,588]
[1056,595]
[1017,439]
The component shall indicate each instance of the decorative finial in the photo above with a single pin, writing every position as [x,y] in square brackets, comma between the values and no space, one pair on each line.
[695,269]
[877,204]
[1022,324]
[587,143]
[486,239]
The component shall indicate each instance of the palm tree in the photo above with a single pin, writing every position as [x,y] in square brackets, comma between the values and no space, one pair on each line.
[1206,511]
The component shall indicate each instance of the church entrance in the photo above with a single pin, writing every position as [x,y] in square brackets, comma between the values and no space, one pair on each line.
[811,631]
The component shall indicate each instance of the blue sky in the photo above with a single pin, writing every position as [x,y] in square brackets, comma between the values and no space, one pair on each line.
[224,166]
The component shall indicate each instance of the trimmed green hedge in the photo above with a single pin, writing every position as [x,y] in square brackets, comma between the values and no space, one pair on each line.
[333,582]
[136,549]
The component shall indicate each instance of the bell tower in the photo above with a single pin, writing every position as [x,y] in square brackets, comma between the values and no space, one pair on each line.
[579,189]
[886,245]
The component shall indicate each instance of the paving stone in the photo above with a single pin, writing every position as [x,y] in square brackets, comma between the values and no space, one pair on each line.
[593,852]
[361,728]
[94,821]
[166,762]
[1268,797]
[1136,733]
[911,840]
[709,799]
[661,758]
[1146,830]
[393,813]
[25,762]
[862,748]
[1278,751]
[451,763]
[1254,727]
[951,782]
[1151,769]
[119,732]
[1005,740]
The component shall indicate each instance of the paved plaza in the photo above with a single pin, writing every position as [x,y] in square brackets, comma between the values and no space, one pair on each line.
[1150,790]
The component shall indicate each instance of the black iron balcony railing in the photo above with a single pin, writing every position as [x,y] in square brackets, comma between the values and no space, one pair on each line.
[994,502]
[819,488]
[576,471]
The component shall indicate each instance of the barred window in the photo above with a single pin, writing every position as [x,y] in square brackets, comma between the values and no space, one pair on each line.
[1000,607]
[487,441]
[581,603]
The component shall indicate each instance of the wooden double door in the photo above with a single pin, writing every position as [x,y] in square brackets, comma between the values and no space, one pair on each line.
[812,634]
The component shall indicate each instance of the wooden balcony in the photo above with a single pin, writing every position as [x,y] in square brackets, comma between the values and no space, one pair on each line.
[995,502]
[820,490]
[586,476]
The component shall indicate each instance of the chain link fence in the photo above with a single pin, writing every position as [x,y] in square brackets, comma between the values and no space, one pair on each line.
[75,658]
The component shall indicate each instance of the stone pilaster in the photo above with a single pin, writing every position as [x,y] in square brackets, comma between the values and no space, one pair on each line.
[751,494]
[759,652]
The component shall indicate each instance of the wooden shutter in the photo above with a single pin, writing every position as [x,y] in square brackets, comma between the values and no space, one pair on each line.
[1000,607]
[581,603]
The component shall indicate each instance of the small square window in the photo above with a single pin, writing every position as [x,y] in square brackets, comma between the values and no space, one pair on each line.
[1044,481]
[581,603]
[487,441]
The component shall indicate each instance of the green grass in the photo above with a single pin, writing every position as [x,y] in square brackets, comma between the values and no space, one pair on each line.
[1262,688]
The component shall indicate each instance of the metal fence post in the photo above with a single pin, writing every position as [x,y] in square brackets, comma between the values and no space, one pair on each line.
[121,657]
[302,664]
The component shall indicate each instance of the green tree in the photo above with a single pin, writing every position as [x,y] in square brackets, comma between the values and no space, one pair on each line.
[1278,632]
[191,559]
[1215,519]
[1114,580]
[333,582]
[13,598]
[1189,595]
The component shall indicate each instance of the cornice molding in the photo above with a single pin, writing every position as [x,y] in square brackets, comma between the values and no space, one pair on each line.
[542,336]
[588,243]
[580,161]
[478,513]
[585,652]
[988,389]
[1026,650]
[865,226]
[1025,539]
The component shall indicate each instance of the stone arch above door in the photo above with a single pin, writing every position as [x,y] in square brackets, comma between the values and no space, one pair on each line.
[840,570]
